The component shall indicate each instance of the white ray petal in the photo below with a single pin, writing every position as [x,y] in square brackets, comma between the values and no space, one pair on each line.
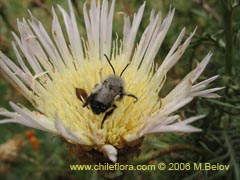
[155,22]
[174,105]
[20,78]
[60,41]
[130,33]
[28,79]
[22,121]
[126,28]
[110,152]
[170,61]
[158,122]
[22,44]
[109,29]
[180,90]
[20,60]
[16,118]
[14,68]
[22,87]
[157,39]
[176,43]
[26,37]
[75,46]
[211,95]
[46,43]
[94,14]
[164,120]
[88,27]
[24,117]
[68,134]
[199,69]
[176,128]
[182,126]
[202,85]
[206,92]
[34,117]
[37,54]
[73,34]
[103,28]
[31,49]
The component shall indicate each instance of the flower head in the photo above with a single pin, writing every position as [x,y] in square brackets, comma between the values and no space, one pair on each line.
[52,68]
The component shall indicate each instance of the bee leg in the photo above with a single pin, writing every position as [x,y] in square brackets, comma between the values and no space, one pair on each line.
[108,113]
[131,95]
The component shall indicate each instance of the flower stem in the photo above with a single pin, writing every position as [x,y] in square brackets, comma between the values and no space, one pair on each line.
[228,29]
[4,16]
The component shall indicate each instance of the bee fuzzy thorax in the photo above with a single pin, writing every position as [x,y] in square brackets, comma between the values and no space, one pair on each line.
[103,96]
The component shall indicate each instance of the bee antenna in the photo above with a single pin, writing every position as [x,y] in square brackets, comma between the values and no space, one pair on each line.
[124,69]
[110,64]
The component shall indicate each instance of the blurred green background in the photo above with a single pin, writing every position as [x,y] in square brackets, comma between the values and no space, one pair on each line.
[218,24]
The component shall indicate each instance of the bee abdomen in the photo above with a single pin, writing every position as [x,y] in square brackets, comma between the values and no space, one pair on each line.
[98,107]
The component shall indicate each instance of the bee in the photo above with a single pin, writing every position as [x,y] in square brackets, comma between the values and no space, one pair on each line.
[103,96]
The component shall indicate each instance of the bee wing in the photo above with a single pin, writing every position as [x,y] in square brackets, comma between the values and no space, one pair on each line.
[81,94]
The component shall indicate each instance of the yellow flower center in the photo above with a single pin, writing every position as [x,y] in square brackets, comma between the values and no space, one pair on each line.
[60,97]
